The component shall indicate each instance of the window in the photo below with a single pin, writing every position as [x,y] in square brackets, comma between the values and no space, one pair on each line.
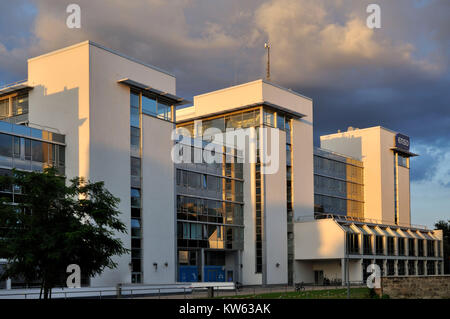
[402,161]
[135,198]
[134,116]
[390,268]
[420,268]
[401,267]
[4,108]
[269,118]
[149,106]
[390,243]
[37,151]
[401,246]
[288,154]
[134,99]
[20,104]
[280,121]
[430,267]
[135,136]
[379,245]
[420,244]
[367,244]
[430,248]
[5,145]
[135,228]
[352,243]
[164,111]
[61,155]
[411,268]
[411,249]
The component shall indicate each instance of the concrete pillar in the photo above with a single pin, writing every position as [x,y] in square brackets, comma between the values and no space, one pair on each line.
[8,284]
[202,263]
[343,272]
[396,261]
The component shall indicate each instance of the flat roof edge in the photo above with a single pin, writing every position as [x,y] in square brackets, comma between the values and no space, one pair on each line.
[89,42]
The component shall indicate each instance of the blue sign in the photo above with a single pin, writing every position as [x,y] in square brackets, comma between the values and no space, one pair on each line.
[188,273]
[214,273]
[402,141]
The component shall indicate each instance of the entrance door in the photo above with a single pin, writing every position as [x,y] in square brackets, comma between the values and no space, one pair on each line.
[318,277]
[214,274]
[230,276]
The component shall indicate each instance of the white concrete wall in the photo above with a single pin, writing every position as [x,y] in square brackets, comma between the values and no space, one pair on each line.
[404,199]
[373,146]
[303,271]
[275,212]
[110,139]
[247,94]
[302,168]
[158,202]
[331,268]
[318,239]
[76,92]
[60,99]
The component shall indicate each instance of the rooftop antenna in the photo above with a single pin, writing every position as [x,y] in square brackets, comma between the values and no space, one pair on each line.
[267,46]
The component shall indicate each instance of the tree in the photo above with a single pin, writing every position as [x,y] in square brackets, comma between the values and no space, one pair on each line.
[445,226]
[51,226]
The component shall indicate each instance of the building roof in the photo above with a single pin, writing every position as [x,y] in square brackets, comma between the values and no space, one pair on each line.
[173,99]
[14,87]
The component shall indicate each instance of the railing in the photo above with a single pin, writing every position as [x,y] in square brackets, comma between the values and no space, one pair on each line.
[357,219]
[173,292]
[12,84]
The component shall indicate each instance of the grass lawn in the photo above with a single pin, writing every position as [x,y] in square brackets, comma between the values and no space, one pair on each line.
[355,293]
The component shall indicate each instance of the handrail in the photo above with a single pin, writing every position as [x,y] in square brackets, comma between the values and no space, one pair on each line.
[12,84]
[65,293]
[358,219]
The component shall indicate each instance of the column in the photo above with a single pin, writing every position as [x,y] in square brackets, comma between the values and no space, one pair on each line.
[343,272]
[202,264]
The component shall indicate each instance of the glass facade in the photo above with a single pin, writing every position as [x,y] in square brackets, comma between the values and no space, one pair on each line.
[242,119]
[210,215]
[30,149]
[338,184]
[13,105]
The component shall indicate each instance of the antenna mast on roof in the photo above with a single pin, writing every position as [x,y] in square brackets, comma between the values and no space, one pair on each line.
[267,46]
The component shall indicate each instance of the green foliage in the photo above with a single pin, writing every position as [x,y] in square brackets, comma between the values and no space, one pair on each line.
[54,225]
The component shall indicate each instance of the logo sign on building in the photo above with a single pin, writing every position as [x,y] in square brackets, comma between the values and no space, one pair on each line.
[402,141]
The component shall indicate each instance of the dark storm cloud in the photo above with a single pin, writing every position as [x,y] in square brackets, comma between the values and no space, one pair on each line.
[397,76]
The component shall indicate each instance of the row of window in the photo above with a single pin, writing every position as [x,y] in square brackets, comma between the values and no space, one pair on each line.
[335,187]
[379,249]
[195,235]
[412,266]
[338,169]
[193,180]
[15,105]
[338,206]
[212,211]
[151,106]
[27,154]
[135,173]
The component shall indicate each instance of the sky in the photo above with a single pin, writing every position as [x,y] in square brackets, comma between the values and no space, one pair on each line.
[396,76]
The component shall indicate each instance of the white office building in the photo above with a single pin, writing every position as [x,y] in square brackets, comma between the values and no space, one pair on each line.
[295,213]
